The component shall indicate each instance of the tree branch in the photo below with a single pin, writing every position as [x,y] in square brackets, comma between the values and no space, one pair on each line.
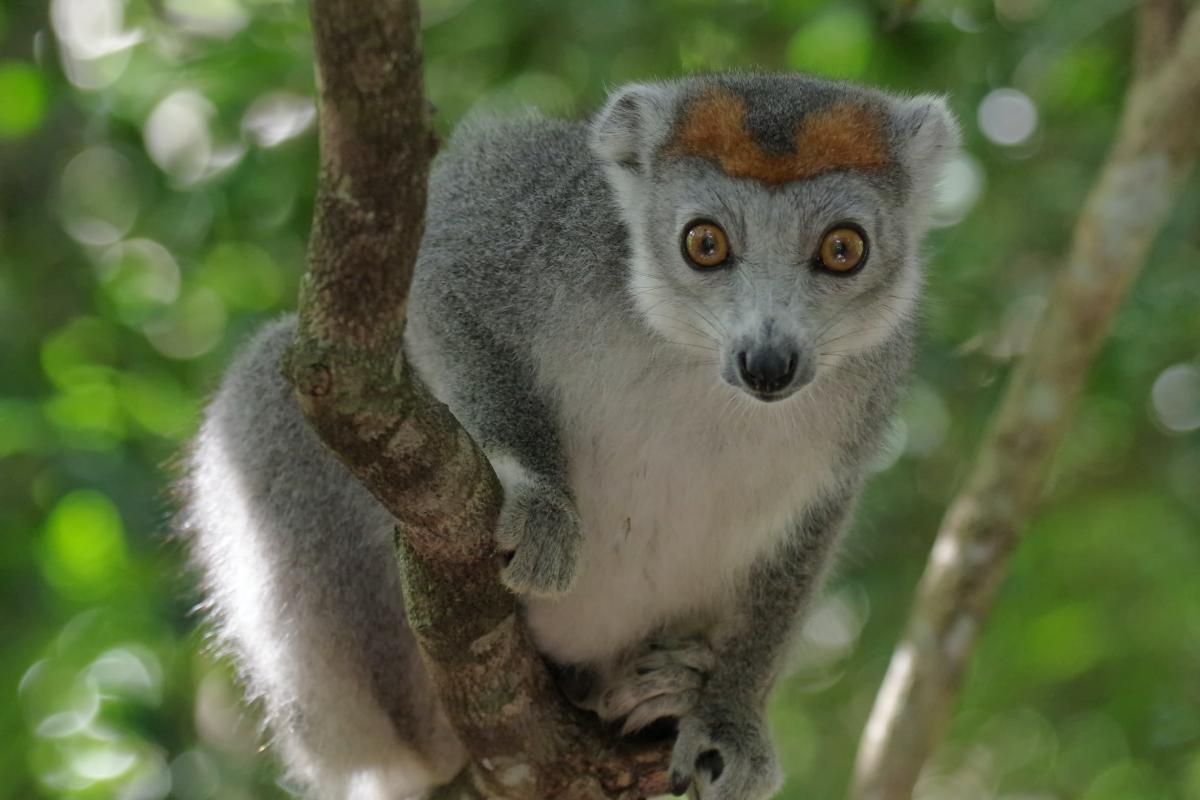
[524,740]
[1155,149]
[1158,26]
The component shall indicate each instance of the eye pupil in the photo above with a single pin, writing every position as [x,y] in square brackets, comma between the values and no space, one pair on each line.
[842,250]
[705,245]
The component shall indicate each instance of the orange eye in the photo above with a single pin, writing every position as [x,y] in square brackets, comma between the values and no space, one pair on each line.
[705,245]
[842,250]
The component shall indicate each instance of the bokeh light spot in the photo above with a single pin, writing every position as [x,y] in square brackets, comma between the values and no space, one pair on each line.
[158,403]
[102,762]
[177,136]
[1065,641]
[1008,117]
[24,99]
[837,43]
[276,117]
[244,275]
[195,776]
[927,419]
[130,671]
[92,29]
[95,45]
[87,416]
[139,276]
[81,351]
[83,542]
[191,327]
[1175,397]
[98,197]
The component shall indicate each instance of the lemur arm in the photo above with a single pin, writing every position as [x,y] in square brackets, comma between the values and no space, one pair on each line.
[723,744]
[538,523]
[492,390]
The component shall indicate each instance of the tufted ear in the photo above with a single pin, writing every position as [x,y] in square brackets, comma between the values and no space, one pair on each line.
[928,137]
[631,122]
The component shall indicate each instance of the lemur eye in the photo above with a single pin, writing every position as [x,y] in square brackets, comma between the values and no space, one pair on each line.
[843,249]
[705,244]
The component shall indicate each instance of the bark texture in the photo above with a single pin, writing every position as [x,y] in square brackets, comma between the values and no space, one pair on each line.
[525,741]
[1154,151]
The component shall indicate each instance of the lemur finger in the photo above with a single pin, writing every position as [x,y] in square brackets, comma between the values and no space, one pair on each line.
[710,766]
[621,698]
[510,528]
[694,654]
[661,707]
[691,742]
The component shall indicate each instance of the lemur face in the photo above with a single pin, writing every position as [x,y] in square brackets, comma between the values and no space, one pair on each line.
[774,219]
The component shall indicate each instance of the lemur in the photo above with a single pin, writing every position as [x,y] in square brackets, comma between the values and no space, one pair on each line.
[677,329]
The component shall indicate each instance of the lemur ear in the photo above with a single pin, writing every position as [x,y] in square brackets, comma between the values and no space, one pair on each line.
[624,131]
[928,137]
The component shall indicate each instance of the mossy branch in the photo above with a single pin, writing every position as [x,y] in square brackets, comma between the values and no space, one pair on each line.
[524,740]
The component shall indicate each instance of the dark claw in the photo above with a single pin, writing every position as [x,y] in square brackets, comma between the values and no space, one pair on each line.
[711,762]
[679,784]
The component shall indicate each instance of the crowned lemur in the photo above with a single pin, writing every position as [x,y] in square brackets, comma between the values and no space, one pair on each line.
[677,330]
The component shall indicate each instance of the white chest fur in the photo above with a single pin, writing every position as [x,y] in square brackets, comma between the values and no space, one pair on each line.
[681,482]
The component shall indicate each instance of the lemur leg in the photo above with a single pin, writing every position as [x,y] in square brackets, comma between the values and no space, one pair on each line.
[303,589]
[723,749]
[512,422]
[660,678]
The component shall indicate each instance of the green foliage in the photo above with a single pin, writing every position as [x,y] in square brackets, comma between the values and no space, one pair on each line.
[157,162]
[24,93]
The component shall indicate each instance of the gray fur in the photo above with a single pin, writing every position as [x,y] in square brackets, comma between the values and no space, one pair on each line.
[667,528]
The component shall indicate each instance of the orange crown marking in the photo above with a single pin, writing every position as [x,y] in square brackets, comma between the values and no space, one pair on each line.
[844,136]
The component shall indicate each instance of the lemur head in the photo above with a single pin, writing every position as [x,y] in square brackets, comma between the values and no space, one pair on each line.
[774,219]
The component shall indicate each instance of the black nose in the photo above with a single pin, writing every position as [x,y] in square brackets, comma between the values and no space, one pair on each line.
[767,370]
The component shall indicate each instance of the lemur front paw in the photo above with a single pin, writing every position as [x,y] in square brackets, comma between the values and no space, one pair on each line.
[539,527]
[660,678]
[720,755]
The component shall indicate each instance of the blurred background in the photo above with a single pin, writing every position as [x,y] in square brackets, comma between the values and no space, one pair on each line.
[157,161]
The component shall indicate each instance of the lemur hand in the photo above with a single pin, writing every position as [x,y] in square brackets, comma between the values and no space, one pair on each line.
[539,527]
[724,752]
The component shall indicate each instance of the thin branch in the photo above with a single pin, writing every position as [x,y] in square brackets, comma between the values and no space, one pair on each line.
[1158,26]
[524,740]
[1155,148]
